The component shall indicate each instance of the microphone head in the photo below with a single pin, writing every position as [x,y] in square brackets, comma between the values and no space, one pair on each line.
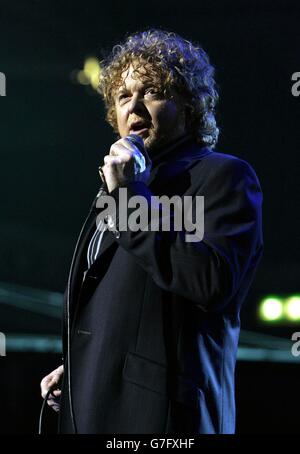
[137,141]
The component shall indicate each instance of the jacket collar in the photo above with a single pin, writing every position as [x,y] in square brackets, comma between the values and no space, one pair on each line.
[185,147]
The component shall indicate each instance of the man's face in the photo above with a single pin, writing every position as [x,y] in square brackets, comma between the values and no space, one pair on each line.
[141,109]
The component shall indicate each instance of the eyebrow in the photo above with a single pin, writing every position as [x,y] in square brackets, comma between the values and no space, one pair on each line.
[145,85]
[122,90]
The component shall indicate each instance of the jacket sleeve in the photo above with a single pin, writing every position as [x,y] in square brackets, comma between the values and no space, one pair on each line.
[210,271]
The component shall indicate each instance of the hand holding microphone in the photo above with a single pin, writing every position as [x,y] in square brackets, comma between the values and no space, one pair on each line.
[50,383]
[127,161]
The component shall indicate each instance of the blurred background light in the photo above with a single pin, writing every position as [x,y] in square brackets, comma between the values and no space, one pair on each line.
[281,309]
[90,73]
[271,309]
[292,308]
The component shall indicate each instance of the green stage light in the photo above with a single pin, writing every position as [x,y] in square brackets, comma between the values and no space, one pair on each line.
[271,309]
[292,308]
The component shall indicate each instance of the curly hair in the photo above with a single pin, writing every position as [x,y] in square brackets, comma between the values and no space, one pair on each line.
[171,62]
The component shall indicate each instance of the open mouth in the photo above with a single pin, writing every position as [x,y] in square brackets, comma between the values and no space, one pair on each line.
[139,128]
[140,131]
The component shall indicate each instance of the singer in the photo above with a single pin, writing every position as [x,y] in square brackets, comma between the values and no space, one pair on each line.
[151,322]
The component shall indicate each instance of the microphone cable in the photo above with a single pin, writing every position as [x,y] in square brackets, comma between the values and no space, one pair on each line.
[42,410]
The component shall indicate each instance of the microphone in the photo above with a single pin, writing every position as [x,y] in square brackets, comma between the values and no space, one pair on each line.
[137,141]
[141,163]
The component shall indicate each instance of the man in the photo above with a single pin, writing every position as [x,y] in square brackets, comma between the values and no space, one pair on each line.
[151,319]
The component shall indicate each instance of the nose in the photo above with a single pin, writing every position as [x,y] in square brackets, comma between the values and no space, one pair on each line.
[135,105]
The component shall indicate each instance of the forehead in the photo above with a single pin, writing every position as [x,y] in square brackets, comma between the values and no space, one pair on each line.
[137,75]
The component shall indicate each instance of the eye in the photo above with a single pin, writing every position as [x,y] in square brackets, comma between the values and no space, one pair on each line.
[122,96]
[151,91]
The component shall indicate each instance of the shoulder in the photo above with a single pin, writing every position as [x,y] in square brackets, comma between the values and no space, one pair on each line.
[217,159]
[216,164]
[223,173]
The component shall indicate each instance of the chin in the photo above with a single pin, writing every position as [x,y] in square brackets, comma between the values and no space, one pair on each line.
[156,141]
[149,142]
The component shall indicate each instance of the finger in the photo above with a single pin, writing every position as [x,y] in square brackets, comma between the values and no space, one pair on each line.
[47,379]
[55,405]
[108,170]
[44,393]
[50,380]
[130,142]
[56,392]
[45,386]
[53,399]
[55,375]
[60,370]
[121,149]
[47,383]
[113,160]
[54,381]
[45,390]
[127,142]
[58,374]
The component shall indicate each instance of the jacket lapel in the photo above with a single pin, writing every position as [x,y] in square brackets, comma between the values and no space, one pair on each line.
[80,255]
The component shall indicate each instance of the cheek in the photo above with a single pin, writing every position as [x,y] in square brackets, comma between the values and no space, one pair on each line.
[167,113]
[120,117]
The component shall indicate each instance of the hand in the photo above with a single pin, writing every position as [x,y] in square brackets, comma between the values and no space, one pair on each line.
[120,164]
[51,382]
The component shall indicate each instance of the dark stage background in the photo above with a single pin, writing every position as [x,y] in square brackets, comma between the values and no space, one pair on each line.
[53,137]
